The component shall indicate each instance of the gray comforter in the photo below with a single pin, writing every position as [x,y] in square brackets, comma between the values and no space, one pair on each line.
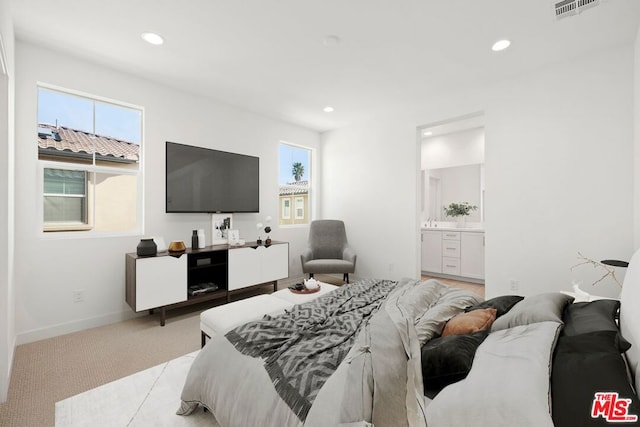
[378,380]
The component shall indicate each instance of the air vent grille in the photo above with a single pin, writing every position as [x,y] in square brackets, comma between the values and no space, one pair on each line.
[566,8]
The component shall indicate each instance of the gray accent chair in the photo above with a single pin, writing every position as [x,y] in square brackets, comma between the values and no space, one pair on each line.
[328,250]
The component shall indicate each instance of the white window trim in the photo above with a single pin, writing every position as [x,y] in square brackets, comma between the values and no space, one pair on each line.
[312,196]
[42,164]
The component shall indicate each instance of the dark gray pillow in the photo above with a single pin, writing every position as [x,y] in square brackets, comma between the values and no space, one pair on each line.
[534,309]
[599,315]
[502,304]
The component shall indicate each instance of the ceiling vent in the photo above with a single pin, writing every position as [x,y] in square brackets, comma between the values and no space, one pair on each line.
[566,8]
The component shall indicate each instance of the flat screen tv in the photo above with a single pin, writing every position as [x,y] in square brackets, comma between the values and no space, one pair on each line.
[205,180]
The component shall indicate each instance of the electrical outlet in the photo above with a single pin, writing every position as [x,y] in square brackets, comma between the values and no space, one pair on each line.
[78,295]
[514,284]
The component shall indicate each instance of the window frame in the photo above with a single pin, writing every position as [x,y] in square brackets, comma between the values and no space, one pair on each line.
[311,189]
[286,208]
[92,170]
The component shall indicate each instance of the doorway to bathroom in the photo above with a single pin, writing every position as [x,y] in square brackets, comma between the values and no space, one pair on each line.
[451,199]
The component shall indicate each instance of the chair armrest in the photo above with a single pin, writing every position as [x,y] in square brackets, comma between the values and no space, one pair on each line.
[348,254]
[306,255]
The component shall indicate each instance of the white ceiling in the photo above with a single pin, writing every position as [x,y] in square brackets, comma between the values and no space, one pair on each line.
[268,56]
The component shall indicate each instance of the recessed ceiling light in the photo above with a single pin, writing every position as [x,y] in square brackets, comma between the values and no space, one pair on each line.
[427,133]
[331,40]
[328,109]
[152,38]
[500,45]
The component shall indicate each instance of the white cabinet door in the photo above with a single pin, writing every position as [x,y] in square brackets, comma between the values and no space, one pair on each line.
[472,255]
[432,251]
[160,281]
[253,266]
[274,262]
[244,267]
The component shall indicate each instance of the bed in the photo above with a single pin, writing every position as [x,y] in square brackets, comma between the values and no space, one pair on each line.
[419,353]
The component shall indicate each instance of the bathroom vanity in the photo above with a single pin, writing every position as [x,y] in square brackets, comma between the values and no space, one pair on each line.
[453,252]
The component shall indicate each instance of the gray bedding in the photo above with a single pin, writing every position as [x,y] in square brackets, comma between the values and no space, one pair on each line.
[379,379]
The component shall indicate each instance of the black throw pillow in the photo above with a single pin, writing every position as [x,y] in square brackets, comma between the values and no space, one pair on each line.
[502,304]
[589,382]
[446,360]
[600,315]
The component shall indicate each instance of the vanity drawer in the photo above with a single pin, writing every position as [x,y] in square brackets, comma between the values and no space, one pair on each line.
[451,248]
[451,235]
[451,265]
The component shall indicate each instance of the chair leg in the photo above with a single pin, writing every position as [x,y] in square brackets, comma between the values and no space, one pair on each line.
[345,277]
[203,339]
[310,275]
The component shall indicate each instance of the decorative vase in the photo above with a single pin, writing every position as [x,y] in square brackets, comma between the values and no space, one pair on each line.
[194,240]
[147,247]
[462,221]
[177,246]
[267,242]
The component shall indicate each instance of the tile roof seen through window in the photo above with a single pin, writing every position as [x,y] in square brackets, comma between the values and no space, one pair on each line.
[291,188]
[65,141]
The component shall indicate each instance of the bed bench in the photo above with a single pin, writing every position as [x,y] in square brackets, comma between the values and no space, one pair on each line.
[225,317]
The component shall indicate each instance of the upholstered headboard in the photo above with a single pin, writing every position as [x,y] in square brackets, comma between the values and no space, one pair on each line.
[630,315]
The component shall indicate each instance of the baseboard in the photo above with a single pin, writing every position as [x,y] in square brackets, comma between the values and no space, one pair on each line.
[74,326]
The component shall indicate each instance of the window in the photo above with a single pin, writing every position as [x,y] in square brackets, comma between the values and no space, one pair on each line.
[89,151]
[294,184]
[65,196]
[300,208]
[286,209]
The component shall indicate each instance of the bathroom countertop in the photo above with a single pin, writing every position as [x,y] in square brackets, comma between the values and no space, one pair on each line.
[465,229]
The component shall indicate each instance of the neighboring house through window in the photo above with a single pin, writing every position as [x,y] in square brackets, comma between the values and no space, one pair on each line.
[294,185]
[89,152]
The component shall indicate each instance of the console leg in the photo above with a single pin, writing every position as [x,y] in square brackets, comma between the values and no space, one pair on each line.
[162,316]
[345,277]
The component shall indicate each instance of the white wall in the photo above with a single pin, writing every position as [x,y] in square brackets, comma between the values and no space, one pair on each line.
[558,170]
[636,162]
[7,286]
[48,270]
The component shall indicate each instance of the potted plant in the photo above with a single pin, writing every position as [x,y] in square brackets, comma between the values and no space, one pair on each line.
[459,210]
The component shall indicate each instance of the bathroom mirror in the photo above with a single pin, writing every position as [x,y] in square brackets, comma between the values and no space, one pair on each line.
[453,184]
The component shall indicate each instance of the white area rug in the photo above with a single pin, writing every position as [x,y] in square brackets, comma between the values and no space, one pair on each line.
[146,398]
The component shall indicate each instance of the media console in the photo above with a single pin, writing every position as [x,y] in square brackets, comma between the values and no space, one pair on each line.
[167,281]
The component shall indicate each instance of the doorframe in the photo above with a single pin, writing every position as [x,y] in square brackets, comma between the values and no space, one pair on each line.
[441,127]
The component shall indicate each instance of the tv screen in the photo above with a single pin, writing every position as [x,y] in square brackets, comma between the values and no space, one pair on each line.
[206,180]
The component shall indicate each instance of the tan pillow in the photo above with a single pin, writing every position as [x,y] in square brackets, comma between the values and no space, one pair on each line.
[473,321]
